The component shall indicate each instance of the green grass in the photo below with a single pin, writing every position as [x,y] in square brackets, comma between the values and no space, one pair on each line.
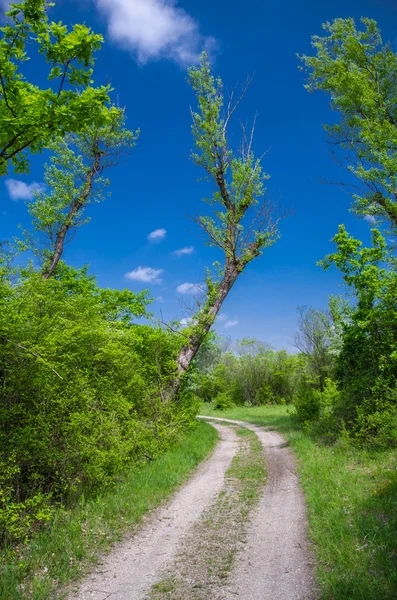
[351,496]
[60,554]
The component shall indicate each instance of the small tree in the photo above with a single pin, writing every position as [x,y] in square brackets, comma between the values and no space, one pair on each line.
[313,339]
[75,179]
[359,72]
[31,117]
[239,179]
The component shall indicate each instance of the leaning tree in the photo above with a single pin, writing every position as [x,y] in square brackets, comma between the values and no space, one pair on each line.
[242,224]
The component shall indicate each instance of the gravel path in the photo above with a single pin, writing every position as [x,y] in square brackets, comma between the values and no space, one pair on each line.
[129,572]
[276,563]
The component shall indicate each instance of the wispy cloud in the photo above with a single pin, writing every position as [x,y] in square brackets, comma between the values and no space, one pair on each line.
[188,288]
[222,317]
[184,251]
[230,324]
[160,299]
[145,274]
[19,190]
[157,235]
[185,321]
[154,29]
[370,219]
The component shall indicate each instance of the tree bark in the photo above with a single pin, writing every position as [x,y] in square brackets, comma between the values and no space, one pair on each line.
[206,320]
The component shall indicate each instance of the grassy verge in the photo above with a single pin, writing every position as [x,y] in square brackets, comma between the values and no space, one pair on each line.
[62,553]
[208,553]
[352,507]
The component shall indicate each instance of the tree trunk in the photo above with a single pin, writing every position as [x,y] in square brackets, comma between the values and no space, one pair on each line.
[77,205]
[206,320]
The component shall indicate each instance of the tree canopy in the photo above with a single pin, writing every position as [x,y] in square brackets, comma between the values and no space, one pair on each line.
[32,116]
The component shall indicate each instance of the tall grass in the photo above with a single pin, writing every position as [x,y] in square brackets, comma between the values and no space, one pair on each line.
[63,552]
[351,495]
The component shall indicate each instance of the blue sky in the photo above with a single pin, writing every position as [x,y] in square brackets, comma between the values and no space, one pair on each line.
[148,43]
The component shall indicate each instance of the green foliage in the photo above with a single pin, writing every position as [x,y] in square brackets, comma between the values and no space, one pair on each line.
[318,407]
[238,176]
[81,389]
[253,373]
[358,71]
[19,519]
[307,403]
[32,117]
[366,369]
[75,179]
[242,224]
[315,338]
[222,401]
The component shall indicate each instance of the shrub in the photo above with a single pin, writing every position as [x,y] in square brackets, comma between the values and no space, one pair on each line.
[222,401]
[80,392]
[307,403]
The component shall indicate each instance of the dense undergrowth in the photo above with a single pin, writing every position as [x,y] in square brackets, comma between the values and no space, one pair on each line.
[351,495]
[80,396]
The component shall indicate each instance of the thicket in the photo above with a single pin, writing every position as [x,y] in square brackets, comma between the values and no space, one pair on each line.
[81,392]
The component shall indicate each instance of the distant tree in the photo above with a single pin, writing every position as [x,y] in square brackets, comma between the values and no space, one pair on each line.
[32,116]
[359,72]
[238,179]
[75,179]
[313,339]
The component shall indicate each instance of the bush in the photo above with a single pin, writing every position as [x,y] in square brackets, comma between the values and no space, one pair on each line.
[222,401]
[313,405]
[18,519]
[80,392]
[307,403]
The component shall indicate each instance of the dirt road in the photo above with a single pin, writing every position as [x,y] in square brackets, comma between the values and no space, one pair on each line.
[134,565]
[275,564]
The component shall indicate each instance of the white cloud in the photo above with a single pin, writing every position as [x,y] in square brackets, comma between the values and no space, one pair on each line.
[188,288]
[160,299]
[185,250]
[222,317]
[186,321]
[157,235]
[145,274]
[370,219]
[230,324]
[154,29]
[19,190]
